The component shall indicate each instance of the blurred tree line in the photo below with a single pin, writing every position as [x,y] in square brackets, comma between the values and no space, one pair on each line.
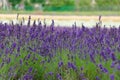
[66,5]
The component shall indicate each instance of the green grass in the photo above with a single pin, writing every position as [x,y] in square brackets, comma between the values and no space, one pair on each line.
[90,70]
[90,13]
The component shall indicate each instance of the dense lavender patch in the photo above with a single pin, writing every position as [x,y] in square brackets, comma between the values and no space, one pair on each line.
[41,52]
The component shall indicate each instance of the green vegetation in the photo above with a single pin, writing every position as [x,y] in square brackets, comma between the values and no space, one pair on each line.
[41,52]
[14,2]
[70,5]
[83,13]
[85,68]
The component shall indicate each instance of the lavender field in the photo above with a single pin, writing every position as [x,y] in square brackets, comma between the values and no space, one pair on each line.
[42,52]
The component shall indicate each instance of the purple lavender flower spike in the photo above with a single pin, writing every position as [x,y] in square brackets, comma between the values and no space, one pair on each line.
[30,69]
[105,70]
[28,56]
[112,77]
[69,65]
[13,45]
[118,67]
[97,78]
[59,77]
[81,68]
[21,61]
[92,58]
[60,64]
[50,73]
[113,56]
[28,77]
[8,60]
[72,66]
[100,66]
[112,64]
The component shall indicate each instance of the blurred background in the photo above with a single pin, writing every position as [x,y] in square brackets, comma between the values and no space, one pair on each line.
[66,12]
[60,5]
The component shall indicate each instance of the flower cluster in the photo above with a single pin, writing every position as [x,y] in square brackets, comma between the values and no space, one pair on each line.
[29,51]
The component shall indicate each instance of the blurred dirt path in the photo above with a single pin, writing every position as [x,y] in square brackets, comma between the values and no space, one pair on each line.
[59,17]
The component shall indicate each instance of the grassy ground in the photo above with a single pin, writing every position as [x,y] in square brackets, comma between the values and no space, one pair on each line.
[90,13]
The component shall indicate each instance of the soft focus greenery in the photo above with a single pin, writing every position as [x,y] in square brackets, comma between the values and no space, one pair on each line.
[70,5]
[82,13]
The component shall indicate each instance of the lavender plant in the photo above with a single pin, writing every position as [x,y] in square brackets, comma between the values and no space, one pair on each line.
[41,52]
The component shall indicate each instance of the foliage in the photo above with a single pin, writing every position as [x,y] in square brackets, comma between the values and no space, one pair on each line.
[39,52]
[37,1]
[71,5]
[14,2]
